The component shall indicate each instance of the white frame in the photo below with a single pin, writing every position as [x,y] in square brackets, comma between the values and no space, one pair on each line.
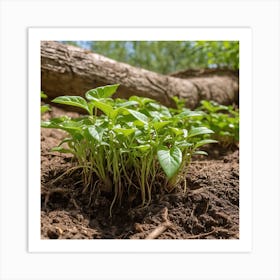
[262,262]
[243,35]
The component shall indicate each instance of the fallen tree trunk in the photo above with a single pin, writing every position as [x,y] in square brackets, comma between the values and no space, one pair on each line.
[68,70]
[209,72]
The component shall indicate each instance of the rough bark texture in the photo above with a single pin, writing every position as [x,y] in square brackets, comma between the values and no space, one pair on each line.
[209,72]
[68,70]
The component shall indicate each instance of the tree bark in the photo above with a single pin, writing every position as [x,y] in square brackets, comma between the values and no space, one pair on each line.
[68,70]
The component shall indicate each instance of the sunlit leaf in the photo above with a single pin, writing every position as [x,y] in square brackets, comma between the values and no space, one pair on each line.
[139,116]
[43,95]
[124,131]
[128,104]
[106,108]
[76,101]
[45,108]
[199,131]
[177,131]
[102,92]
[95,132]
[170,160]
[204,142]
[61,150]
[203,153]
[143,148]
[159,125]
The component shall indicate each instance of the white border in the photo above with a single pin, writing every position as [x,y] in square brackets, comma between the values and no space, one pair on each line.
[16,263]
[263,16]
[243,35]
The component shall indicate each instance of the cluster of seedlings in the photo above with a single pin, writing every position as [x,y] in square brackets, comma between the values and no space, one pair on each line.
[137,145]
[223,120]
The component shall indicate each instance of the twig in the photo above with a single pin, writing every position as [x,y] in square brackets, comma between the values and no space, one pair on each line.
[74,203]
[161,228]
[202,234]
[215,230]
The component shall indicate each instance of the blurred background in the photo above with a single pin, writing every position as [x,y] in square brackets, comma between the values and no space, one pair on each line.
[166,57]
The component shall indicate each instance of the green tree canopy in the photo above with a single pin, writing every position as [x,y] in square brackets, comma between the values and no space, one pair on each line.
[168,56]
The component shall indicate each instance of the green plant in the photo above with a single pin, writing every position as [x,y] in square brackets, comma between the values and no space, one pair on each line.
[44,108]
[223,120]
[129,146]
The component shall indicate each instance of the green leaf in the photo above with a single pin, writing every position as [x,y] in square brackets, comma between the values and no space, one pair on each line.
[63,123]
[208,106]
[159,125]
[61,150]
[65,140]
[203,153]
[189,113]
[71,126]
[43,95]
[124,131]
[106,109]
[139,124]
[139,116]
[45,108]
[162,110]
[95,132]
[76,101]
[199,131]
[55,122]
[141,100]
[170,160]
[183,144]
[127,104]
[143,148]
[177,131]
[204,142]
[102,92]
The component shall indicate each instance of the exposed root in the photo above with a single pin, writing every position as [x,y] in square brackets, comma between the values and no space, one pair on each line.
[75,203]
[213,232]
[93,193]
[201,235]
[162,227]
[67,172]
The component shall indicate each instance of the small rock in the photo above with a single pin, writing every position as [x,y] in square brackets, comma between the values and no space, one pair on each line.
[53,233]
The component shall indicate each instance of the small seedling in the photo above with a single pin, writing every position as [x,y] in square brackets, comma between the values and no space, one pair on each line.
[129,146]
[44,108]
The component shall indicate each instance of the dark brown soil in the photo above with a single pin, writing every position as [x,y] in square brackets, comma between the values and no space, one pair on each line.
[208,210]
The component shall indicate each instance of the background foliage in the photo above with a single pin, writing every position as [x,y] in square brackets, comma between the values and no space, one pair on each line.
[168,56]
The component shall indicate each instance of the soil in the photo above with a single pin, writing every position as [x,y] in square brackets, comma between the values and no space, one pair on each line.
[209,209]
